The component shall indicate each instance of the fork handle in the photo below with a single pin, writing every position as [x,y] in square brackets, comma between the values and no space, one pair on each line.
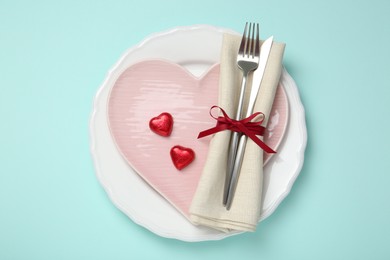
[236,170]
[241,98]
[230,164]
[234,141]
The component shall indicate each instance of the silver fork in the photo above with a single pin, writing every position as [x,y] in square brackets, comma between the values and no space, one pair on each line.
[247,60]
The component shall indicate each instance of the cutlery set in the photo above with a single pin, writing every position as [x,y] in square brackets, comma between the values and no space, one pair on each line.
[251,59]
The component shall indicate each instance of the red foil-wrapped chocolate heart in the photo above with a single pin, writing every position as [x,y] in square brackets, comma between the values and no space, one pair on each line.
[182,156]
[162,124]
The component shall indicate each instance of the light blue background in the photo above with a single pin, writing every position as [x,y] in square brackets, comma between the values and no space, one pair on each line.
[55,54]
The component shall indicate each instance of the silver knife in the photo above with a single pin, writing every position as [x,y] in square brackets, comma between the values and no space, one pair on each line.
[257,78]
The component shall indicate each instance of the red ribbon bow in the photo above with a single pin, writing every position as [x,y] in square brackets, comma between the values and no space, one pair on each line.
[245,126]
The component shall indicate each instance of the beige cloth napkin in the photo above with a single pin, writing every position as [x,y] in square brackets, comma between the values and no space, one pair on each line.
[206,208]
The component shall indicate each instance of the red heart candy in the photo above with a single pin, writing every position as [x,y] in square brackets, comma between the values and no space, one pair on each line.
[162,124]
[182,156]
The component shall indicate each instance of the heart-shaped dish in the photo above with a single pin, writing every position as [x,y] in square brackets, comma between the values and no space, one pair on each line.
[154,87]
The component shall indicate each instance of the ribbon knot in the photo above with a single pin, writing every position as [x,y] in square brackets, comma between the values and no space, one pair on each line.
[244,126]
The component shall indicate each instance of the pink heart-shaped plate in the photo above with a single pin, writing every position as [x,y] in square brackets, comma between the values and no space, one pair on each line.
[148,88]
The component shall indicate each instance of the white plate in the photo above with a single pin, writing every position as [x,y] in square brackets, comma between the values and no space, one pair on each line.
[130,193]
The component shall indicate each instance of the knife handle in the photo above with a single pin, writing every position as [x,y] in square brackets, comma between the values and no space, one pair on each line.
[236,170]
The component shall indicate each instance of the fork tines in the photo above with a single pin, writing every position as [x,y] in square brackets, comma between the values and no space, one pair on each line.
[249,44]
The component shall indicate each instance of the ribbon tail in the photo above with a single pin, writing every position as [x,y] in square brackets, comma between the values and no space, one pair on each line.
[211,131]
[260,143]
[208,132]
[218,128]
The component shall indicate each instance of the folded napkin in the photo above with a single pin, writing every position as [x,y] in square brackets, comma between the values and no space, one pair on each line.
[206,208]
